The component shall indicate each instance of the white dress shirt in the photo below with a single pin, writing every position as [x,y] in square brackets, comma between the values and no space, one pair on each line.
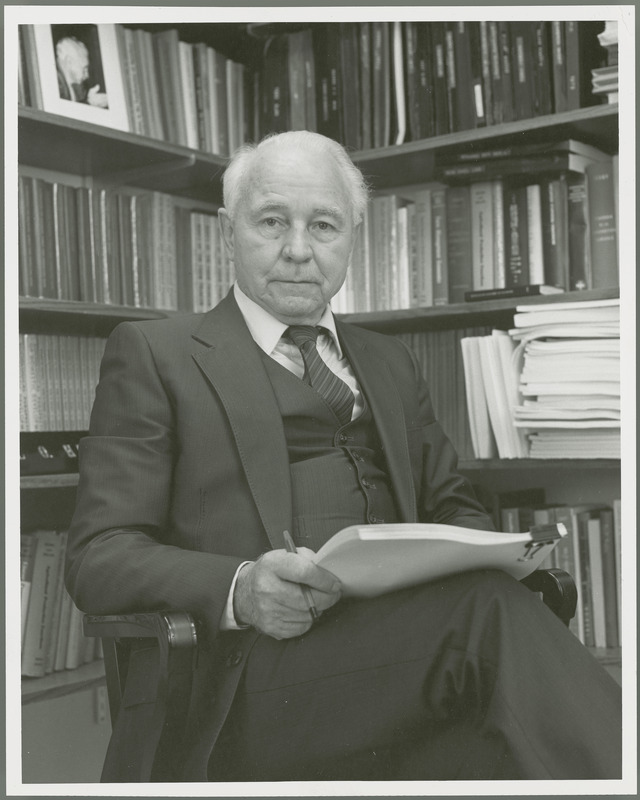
[267,332]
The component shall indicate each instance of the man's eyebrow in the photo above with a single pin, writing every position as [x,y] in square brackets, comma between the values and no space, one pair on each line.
[330,211]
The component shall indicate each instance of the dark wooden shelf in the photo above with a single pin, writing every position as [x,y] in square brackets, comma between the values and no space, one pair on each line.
[47,315]
[495,313]
[109,155]
[546,464]
[61,683]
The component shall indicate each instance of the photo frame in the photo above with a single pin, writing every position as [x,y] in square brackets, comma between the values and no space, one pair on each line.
[81,74]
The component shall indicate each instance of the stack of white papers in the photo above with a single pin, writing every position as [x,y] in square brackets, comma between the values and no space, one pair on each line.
[569,378]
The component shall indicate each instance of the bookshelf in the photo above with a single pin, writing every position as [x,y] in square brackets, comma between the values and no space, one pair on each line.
[53,144]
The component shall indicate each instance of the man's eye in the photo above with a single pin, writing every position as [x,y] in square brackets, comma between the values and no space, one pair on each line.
[324,227]
[271,222]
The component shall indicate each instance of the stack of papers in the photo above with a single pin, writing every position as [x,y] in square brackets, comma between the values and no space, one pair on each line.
[568,359]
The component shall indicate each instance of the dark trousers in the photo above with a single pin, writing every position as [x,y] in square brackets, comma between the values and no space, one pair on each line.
[468,678]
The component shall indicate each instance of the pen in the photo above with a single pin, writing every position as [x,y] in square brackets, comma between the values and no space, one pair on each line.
[291,548]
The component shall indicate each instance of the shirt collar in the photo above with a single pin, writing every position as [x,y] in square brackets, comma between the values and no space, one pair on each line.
[267,331]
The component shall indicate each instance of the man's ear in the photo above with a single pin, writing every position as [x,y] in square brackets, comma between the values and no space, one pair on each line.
[226,229]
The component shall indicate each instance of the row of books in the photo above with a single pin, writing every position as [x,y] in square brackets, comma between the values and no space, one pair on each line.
[440,357]
[112,246]
[175,91]
[52,638]
[550,387]
[438,244]
[58,377]
[590,554]
[374,84]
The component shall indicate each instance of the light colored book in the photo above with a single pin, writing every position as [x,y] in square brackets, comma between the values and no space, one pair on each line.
[370,560]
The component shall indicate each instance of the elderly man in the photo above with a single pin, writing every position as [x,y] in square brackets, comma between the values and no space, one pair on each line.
[72,66]
[213,434]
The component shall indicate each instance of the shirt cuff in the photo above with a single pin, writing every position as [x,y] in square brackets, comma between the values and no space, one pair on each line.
[228,620]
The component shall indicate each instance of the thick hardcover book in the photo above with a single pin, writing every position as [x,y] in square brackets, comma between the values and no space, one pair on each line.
[482,230]
[603,225]
[370,560]
[542,71]
[166,46]
[459,242]
[508,108]
[516,231]
[350,86]
[522,64]
[365,84]
[530,290]
[381,52]
[415,91]
[529,150]
[535,164]
[578,230]
[439,72]
[439,241]
[555,235]
[559,66]
[610,576]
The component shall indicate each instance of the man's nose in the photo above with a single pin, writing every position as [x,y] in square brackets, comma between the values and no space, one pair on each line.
[297,247]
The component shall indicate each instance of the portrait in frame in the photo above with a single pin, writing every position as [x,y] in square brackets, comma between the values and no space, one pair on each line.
[80,73]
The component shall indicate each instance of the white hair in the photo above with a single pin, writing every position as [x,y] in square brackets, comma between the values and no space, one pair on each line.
[242,161]
[71,49]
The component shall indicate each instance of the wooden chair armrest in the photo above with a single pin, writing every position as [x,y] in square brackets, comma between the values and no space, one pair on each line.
[153,654]
[558,590]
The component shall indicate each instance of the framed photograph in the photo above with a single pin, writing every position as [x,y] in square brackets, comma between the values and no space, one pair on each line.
[81,74]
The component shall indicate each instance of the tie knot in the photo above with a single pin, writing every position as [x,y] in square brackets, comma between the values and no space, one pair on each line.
[302,334]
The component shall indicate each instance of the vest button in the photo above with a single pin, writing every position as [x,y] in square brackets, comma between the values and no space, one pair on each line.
[342,438]
[373,519]
[234,658]
[368,484]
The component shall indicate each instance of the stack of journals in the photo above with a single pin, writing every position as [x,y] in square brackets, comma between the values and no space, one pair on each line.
[569,357]
[604,80]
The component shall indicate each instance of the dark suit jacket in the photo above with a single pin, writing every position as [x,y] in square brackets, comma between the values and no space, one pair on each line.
[185,475]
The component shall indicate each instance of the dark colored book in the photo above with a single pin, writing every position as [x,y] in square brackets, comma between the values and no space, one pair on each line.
[487,80]
[516,235]
[167,64]
[297,93]
[459,247]
[610,578]
[414,89]
[464,77]
[555,234]
[276,89]
[603,225]
[452,78]
[365,84]
[508,108]
[551,162]
[125,249]
[582,519]
[46,250]
[326,51]
[522,68]
[542,69]
[578,230]
[439,72]
[559,67]
[381,52]
[537,149]
[426,81]
[530,290]
[495,63]
[478,70]
[350,85]
[583,53]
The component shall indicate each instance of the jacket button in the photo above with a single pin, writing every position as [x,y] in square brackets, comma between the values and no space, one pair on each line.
[373,519]
[234,658]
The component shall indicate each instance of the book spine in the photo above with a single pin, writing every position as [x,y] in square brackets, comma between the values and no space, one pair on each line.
[517,251]
[482,231]
[365,84]
[553,205]
[542,69]
[440,257]
[559,71]
[611,578]
[499,251]
[459,242]
[596,594]
[508,109]
[585,577]
[534,233]
[441,116]
[603,225]
[522,69]
[578,232]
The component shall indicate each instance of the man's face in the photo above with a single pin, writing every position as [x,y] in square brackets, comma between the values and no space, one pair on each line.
[292,236]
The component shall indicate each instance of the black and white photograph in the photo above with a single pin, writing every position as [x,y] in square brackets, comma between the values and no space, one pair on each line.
[320,401]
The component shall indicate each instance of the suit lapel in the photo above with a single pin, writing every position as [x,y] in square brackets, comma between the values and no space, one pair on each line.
[232,364]
[379,387]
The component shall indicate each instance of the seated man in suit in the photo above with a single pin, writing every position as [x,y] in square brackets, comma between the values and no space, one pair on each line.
[212,434]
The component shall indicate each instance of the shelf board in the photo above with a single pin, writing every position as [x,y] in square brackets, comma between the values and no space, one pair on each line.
[58,684]
[496,313]
[108,155]
[546,464]
[413,162]
[59,481]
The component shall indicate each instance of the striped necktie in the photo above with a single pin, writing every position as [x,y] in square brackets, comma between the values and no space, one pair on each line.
[329,386]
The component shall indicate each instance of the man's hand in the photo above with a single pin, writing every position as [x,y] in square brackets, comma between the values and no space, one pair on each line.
[269,598]
[97,98]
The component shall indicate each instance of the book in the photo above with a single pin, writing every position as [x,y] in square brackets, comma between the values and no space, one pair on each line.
[511,291]
[370,560]
[603,225]
[517,236]
[596,594]
[579,234]
[482,230]
[611,577]
[459,242]
[529,150]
